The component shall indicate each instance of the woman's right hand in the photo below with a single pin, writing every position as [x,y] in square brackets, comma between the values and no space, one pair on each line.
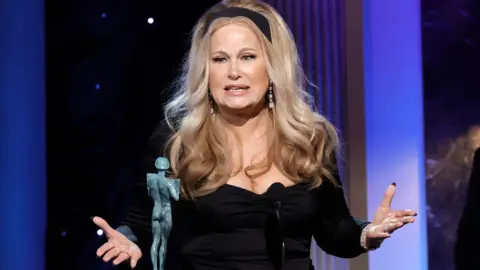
[117,246]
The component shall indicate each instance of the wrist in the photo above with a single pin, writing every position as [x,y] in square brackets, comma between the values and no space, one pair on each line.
[367,243]
[127,232]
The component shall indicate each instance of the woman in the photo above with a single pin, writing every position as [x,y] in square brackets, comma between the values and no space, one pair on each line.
[257,165]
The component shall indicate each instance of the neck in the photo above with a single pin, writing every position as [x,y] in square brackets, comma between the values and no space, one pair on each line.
[248,126]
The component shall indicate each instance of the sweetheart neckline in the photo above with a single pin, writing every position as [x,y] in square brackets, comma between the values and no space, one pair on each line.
[269,189]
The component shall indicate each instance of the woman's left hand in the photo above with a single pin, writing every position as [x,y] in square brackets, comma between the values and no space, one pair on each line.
[387,221]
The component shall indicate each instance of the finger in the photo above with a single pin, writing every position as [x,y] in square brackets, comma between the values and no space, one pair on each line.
[378,235]
[100,222]
[402,219]
[406,220]
[114,252]
[395,226]
[135,256]
[388,196]
[410,212]
[121,258]
[403,213]
[104,248]
[398,213]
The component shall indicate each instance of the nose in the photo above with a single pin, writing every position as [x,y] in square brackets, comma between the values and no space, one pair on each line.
[233,73]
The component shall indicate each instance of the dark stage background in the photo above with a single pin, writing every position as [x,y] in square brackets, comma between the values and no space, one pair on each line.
[451,52]
[106,68]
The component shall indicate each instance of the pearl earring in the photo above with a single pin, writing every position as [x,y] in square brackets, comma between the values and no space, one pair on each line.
[211,101]
[270,96]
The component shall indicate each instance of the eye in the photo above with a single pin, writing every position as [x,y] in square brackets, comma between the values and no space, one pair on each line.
[219,59]
[248,57]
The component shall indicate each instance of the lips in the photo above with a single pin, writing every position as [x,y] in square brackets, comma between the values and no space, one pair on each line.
[236,87]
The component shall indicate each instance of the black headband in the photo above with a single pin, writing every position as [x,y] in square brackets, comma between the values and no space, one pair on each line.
[230,12]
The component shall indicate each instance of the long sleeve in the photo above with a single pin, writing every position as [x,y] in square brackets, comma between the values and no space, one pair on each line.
[335,230]
[361,223]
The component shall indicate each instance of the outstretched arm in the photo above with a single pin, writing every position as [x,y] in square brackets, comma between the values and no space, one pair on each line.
[336,231]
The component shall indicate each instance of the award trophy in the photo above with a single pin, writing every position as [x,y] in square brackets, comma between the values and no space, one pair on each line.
[162,190]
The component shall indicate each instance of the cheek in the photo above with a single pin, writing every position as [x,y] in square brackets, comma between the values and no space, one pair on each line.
[259,76]
[260,79]
[215,80]
[215,83]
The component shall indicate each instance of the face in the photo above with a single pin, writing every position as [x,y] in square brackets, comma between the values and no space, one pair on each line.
[238,78]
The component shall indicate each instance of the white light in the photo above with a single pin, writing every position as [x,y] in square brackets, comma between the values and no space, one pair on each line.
[104,15]
[150,20]
[100,232]
[97,86]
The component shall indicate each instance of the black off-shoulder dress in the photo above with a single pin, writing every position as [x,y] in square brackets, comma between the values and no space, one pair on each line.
[233,228]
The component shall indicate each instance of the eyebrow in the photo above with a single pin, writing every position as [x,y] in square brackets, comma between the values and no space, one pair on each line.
[241,51]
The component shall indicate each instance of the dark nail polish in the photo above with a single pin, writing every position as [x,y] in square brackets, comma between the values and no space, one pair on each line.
[91,217]
[394,184]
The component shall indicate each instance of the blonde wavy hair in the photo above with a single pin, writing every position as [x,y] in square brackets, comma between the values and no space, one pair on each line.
[304,142]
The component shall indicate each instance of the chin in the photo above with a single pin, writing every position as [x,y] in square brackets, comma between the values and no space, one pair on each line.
[239,106]
[250,108]
[237,110]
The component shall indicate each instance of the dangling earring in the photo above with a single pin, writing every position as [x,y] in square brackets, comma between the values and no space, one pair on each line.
[270,95]
[211,101]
